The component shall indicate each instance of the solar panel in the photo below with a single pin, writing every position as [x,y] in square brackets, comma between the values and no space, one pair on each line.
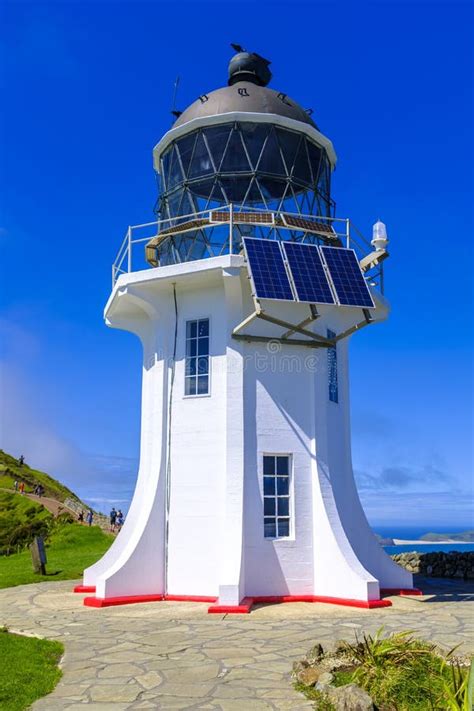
[302,223]
[309,276]
[185,226]
[347,277]
[252,218]
[268,269]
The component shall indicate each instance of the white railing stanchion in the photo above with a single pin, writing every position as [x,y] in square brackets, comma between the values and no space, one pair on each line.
[348,234]
[129,248]
[231,227]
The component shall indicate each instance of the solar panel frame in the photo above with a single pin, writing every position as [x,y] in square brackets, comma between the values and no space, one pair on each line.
[347,278]
[309,276]
[267,269]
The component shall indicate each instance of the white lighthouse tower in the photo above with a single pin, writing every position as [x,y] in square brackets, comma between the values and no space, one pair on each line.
[244,294]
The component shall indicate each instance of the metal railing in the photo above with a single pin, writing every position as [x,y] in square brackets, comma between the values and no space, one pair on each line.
[131,254]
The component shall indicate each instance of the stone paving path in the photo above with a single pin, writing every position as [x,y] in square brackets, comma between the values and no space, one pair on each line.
[172,655]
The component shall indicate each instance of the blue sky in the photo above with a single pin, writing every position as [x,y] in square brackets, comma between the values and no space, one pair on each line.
[89,88]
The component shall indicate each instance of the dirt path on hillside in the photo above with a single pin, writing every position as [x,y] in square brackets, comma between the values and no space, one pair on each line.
[56,508]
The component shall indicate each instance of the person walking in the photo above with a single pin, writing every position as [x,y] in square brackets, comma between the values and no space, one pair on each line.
[16,484]
[80,518]
[119,520]
[22,487]
[90,517]
[113,518]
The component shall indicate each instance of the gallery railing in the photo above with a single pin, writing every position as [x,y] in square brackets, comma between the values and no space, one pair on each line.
[219,231]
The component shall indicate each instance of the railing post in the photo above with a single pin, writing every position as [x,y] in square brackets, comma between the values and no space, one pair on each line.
[348,234]
[231,227]
[129,249]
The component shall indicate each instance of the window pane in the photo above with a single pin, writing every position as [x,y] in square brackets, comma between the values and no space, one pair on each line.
[269,528]
[191,329]
[203,385]
[282,465]
[203,365]
[201,162]
[283,527]
[203,328]
[268,486]
[203,346]
[268,465]
[269,507]
[282,486]
[190,387]
[283,507]
[191,347]
[186,147]
[190,366]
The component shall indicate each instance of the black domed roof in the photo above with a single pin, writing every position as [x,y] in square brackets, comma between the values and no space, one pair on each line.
[244,96]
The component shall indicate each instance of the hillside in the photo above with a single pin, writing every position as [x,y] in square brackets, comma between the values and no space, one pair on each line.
[70,546]
[20,521]
[10,470]
[24,517]
[465,537]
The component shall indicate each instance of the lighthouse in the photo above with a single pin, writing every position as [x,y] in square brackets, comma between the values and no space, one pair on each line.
[245,293]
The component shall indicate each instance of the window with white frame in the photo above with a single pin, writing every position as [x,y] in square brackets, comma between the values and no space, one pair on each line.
[196,375]
[276,496]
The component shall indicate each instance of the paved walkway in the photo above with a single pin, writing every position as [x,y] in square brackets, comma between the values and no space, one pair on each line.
[173,655]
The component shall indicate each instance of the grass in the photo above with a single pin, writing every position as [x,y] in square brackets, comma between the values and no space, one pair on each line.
[11,471]
[70,548]
[20,520]
[401,673]
[28,669]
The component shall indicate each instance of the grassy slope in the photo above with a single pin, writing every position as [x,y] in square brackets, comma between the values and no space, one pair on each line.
[20,520]
[28,670]
[10,470]
[69,550]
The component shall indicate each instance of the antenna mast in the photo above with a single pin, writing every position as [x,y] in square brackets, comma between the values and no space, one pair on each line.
[175,93]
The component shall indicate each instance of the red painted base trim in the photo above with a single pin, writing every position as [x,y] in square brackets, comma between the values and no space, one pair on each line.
[84,588]
[401,591]
[133,599]
[242,609]
[366,604]
[247,603]
[189,598]
[123,600]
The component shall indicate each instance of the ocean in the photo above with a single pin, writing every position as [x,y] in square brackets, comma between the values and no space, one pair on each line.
[412,533]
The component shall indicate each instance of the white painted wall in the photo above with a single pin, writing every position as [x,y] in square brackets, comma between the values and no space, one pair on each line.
[262,401]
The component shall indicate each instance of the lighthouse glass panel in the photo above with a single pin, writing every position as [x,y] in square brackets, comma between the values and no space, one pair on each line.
[248,165]
[276,496]
[196,368]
